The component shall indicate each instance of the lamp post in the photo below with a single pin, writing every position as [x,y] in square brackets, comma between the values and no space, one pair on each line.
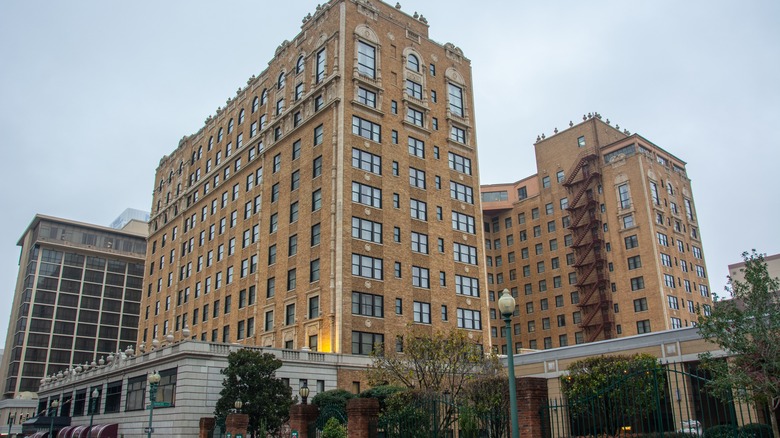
[154,380]
[11,418]
[238,404]
[53,405]
[92,401]
[506,305]
[303,391]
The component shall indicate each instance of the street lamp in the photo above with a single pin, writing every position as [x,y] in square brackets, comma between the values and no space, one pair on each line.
[238,404]
[92,401]
[53,405]
[506,305]
[154,380]
[304,392]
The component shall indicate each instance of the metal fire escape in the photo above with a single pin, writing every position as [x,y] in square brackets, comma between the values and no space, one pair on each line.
[590,262]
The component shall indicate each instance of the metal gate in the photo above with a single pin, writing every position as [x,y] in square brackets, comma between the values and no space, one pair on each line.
[330,411]
[668,400]
[436,416]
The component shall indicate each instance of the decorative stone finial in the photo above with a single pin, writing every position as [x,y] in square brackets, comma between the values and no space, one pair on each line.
[416,15]
[584,117]
[543,137]
[571,123]
[555,130]
[397,5]
[608,122]
[538,138]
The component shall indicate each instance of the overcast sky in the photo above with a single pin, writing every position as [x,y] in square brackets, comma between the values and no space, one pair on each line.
[94,93]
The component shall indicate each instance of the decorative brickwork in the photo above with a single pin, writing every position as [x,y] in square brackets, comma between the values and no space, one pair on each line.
[531,396]
[206,426]
[362,414]
[300,418]
[237,423]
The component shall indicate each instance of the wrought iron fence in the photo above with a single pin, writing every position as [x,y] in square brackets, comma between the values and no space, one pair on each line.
[672,401]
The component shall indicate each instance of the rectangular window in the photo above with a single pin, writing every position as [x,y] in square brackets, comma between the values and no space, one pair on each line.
[417,178]
[366,161]
[459,163]
[419,209]
[365,229]
[625,198]
[422,312]
[643,326]
[634,262]
[463,222]
[364,343]
[458,134]
[416,147]
[465,253]
[469,319]
[654,193]
[368,267]
[320,70]
[637,283]
[366,195]
[414,116]
[421,277]
[461,192]
[466,286]
[366,129]
[413,89]
[367,97]
[366,60]
[367,304]
[456,99]
[419,242]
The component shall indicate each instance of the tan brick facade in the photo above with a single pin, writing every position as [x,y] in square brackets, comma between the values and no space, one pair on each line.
[639,261]
[267,225]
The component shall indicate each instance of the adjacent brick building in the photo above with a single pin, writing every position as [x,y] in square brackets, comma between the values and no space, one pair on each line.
[602,242]
[331,203]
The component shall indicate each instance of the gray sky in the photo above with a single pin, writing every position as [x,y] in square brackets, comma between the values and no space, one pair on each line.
[94,93]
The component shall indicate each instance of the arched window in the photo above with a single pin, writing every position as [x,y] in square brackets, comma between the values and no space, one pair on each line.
[241,116]
[413,63]
[219,135]
[280,81]
[200,151]
[230,126]
[264,96]
[255,104]
[211,142]
[299,65]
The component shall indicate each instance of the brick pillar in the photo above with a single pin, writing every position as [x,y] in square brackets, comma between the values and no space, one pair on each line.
[237,423]
[300,418]
[362,415]
[206,426]
[531,396]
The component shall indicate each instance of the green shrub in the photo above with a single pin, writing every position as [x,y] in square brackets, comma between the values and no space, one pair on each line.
[381,393]
[755,430]
[721,431]
[333,403]
[334,429]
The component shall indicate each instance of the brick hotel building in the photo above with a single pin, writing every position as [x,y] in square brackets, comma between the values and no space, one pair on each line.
[602,242]
[332,203]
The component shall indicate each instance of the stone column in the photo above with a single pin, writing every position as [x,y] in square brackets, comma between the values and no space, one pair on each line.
[236,424]
[300,418]
[362,415]
[206,426]
[531,396]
